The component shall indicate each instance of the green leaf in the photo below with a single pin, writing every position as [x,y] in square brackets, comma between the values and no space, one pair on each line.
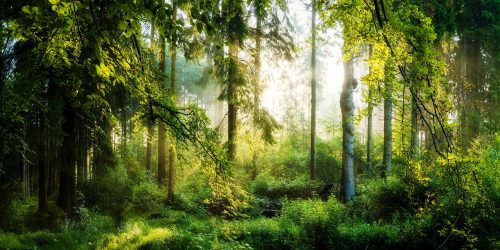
[122,25]
[54,2]
[26,9]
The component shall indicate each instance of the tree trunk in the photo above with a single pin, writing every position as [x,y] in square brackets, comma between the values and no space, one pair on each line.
[162,157]
[347,107]
[414,129]
[150,123]
[67,189]
[149,137]
[369,138]
[171,174]
[312,164]
[42,165]
[388,127]
[256,87]
[171,161]
[231,102]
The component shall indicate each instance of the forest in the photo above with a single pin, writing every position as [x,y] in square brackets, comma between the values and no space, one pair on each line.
[249,124]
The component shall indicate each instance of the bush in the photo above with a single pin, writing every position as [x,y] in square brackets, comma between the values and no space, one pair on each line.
[275,188]
[147,197]
[367,236]
[318,220]
[140,235]
[110,194]
[383,199]
[263,233]
[192,196]
[329,169]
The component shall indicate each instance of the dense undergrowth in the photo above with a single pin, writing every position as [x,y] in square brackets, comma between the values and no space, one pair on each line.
[449,204]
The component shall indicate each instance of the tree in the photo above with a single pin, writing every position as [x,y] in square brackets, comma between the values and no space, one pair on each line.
[347,107]
[235,29]
[312,166]
[259,9]
[149,119]
[369,127]
[387,159]
[162,133]
[414,129]
[172,154]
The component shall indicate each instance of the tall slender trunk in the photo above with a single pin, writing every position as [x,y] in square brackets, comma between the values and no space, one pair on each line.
[414,129]
[369,138]
[161,127]
[67,187]
[231,102]
[149,137]
[256,89]
[312,164]
[347,108]
[42,165]
[150,123]
[171,160]
[388,126]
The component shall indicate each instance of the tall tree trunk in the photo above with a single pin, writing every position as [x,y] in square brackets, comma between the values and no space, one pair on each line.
[256,87]
[312,164]
[150,123]
[79,148]
[369,138]
[42,164]
[173,79]
[149,137]
[67,189]
[414,129]
[388,126]
[347,107]
[162,157]
[231,102]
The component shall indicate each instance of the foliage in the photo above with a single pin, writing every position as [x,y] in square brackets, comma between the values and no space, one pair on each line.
[110,194]
[147,197]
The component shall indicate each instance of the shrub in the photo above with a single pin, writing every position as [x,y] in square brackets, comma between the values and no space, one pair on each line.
[366,236]
[263,233]
[382,199]
[275,188]
[110,194]
[147,197]
[317,219]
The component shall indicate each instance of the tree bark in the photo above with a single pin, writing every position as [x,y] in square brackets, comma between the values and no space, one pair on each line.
[161,127]
[67,187]
[347,107]
[369,138]
[256,87]
[388,127]
[414,129]
[312,164]
[149,137]
[232,99]
[172,152]
[42,166]
[150,123]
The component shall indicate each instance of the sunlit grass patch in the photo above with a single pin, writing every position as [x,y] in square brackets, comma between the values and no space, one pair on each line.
[135,235]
